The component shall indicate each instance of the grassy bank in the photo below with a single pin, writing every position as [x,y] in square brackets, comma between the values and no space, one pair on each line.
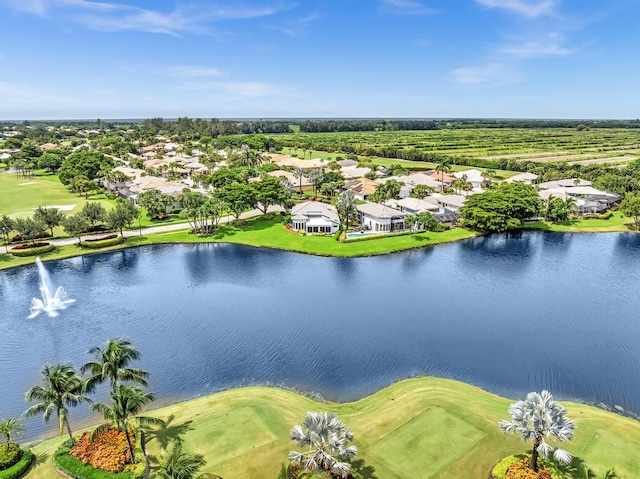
[419,428]
[618,222]
[267,233]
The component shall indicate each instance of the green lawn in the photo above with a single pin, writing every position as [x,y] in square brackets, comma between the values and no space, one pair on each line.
[423,428]
[618,222]
[19,196]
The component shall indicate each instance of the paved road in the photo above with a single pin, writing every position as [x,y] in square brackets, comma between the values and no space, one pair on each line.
[168,228]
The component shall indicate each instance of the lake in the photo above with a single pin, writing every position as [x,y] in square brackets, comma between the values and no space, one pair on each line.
[509,314]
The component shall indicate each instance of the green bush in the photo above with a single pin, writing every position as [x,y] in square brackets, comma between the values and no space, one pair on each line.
[19,468]
[606,216]
[102,243]
[239,223]
[32,251]
[9,455]
[501,468]
[77,469]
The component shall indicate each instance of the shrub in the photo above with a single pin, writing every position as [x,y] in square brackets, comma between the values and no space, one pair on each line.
[521,470]
[269,216]
[239,223]
[32,251]
[9,455]
[19,468]
[501,468]
[102,243]
[109,451]
[76,469]
[108,237]
[605,216]
[30,245]
[17,238]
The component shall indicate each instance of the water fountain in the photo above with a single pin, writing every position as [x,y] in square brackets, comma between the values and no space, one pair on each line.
[50,302]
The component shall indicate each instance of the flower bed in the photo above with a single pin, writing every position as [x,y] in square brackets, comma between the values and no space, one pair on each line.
[102,243]
[33,250]
[76,469]
[104,238]
[18,469]
[30,245]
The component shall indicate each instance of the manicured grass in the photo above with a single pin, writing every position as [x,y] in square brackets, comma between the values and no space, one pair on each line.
[416,429]
[21,195]
[267,233]
[618,222]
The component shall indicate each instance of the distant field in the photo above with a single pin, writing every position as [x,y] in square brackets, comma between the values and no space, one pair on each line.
[483,143]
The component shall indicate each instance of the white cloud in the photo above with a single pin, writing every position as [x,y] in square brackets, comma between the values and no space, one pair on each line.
[527,8]
[494,74]
[106,16]
[406,7]
[296,28]
[551,45]
[191,71]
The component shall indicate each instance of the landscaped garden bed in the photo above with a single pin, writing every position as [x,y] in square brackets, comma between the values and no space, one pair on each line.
[104,242]
[14,461]
[33,249]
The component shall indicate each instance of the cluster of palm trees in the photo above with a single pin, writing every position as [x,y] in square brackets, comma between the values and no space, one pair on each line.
[62,387]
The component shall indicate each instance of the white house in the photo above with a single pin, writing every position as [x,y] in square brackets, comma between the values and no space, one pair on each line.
[450,202]
[473,176]
[382,218]
[527,178]
[414,205]
[315,217]
[569,182]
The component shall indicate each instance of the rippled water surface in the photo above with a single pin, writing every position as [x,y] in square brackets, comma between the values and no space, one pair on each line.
[541,310]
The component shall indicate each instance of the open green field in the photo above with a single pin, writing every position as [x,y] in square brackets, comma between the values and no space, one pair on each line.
[618,222]
[555,144]
[266,233]
[410,165]
[423,428]
[20,196]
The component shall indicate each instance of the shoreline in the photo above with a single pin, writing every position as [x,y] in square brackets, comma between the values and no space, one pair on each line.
[326,247]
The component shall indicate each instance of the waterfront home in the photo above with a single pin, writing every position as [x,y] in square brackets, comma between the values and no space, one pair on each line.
[588,200]
[362,188]
[380,218]
[414,205]
[527,178]
[452,203]
[315,217]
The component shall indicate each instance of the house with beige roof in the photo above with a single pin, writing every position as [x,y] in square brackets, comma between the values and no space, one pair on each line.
[362,188]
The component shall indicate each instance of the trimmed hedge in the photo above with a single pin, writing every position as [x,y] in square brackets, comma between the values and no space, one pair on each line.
[19,468]
[104,238]
[32,251]
[77,469]
[102,243]
[9,455]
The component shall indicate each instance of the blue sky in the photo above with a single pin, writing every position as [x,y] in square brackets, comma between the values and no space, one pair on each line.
[319,58]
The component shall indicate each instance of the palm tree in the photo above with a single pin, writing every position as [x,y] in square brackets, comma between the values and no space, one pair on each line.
[299,173]
[539,417]
[346,206]
[443,166]
[326,438]
[126,403]
[111,363]
[10,427]
[571,205]
[178,464]
[61,388]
